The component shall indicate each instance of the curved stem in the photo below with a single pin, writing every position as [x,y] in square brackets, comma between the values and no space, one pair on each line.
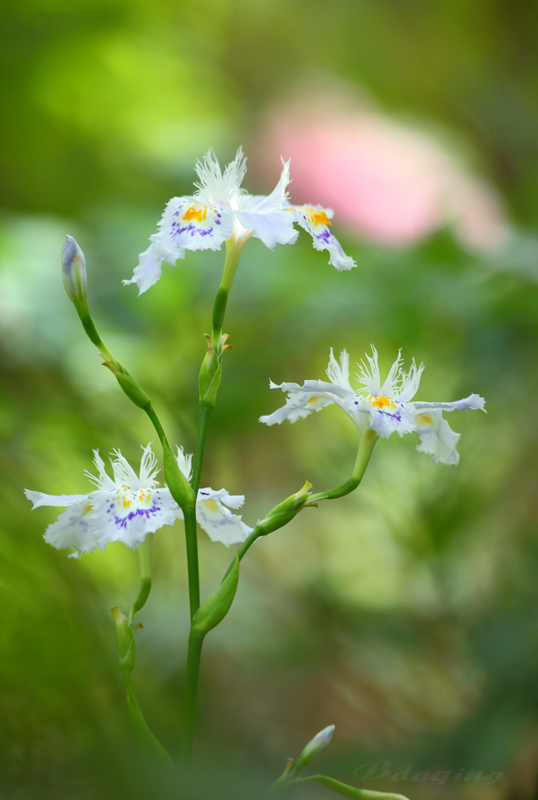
[366,446]
[344,790]
[245,547]
[155,421]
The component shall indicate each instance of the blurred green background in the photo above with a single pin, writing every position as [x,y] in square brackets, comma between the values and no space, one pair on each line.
[405,613]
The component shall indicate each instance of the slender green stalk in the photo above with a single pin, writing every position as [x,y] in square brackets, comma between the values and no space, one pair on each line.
[211,369]
[344,790]
[191,541]
[247,544]
[209,382]
[366,446]
[196,640]
[189,511]
[233,253]
[150,411]
[203,420]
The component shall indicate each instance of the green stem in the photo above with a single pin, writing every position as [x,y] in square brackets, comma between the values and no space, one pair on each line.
[191,537]
[203,420]
[196,640]
[233,253]
[191,541]
[345,790]
[150,411]
[366,446]
[219,309]
[207,403]
[93,335]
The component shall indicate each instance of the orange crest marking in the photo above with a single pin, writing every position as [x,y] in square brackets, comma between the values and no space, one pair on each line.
[317,216]
[381,402]
[199,214]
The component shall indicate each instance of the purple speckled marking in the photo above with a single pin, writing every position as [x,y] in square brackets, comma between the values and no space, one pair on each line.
[397,416]
[326,236]
[121,522]
[190,229]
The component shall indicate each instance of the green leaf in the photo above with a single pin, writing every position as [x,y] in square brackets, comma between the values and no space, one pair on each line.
[146,742]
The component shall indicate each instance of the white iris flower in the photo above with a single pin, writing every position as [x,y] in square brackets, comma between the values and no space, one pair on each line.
[128,506]
[213,509]
[382,407]
[220,210]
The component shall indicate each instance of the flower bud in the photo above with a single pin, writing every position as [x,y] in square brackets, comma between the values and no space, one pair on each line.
[214,609]
[209,378]
[128,385]
[320,741]
[179,486]
[125,640]
[284,512]
[74,272]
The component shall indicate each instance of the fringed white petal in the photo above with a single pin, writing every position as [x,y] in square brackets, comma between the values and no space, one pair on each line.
[338,373]
[368,374]
[437,438]
[409,382]
[187,224]
[398,419]
[149,269]
[184,462]
[59,501]
[121,510]
[128,516]
[473,402]
[102,480]
[73,529]
[216,186]
[220,524]
[316,221]
[124,474]
[271,227]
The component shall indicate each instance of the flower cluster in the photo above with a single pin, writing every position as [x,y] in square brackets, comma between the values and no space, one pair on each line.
[128,506]
[385,408]
[220,210]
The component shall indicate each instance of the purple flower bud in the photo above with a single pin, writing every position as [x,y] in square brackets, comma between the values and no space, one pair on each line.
[74,272]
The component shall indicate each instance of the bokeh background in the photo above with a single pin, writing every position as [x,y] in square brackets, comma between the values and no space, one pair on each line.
[405,613]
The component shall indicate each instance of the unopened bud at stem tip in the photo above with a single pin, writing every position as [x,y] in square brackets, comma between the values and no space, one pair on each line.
[74,271]
[314,747]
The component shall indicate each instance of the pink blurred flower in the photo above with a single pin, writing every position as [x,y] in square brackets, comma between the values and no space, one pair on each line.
[387,181]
